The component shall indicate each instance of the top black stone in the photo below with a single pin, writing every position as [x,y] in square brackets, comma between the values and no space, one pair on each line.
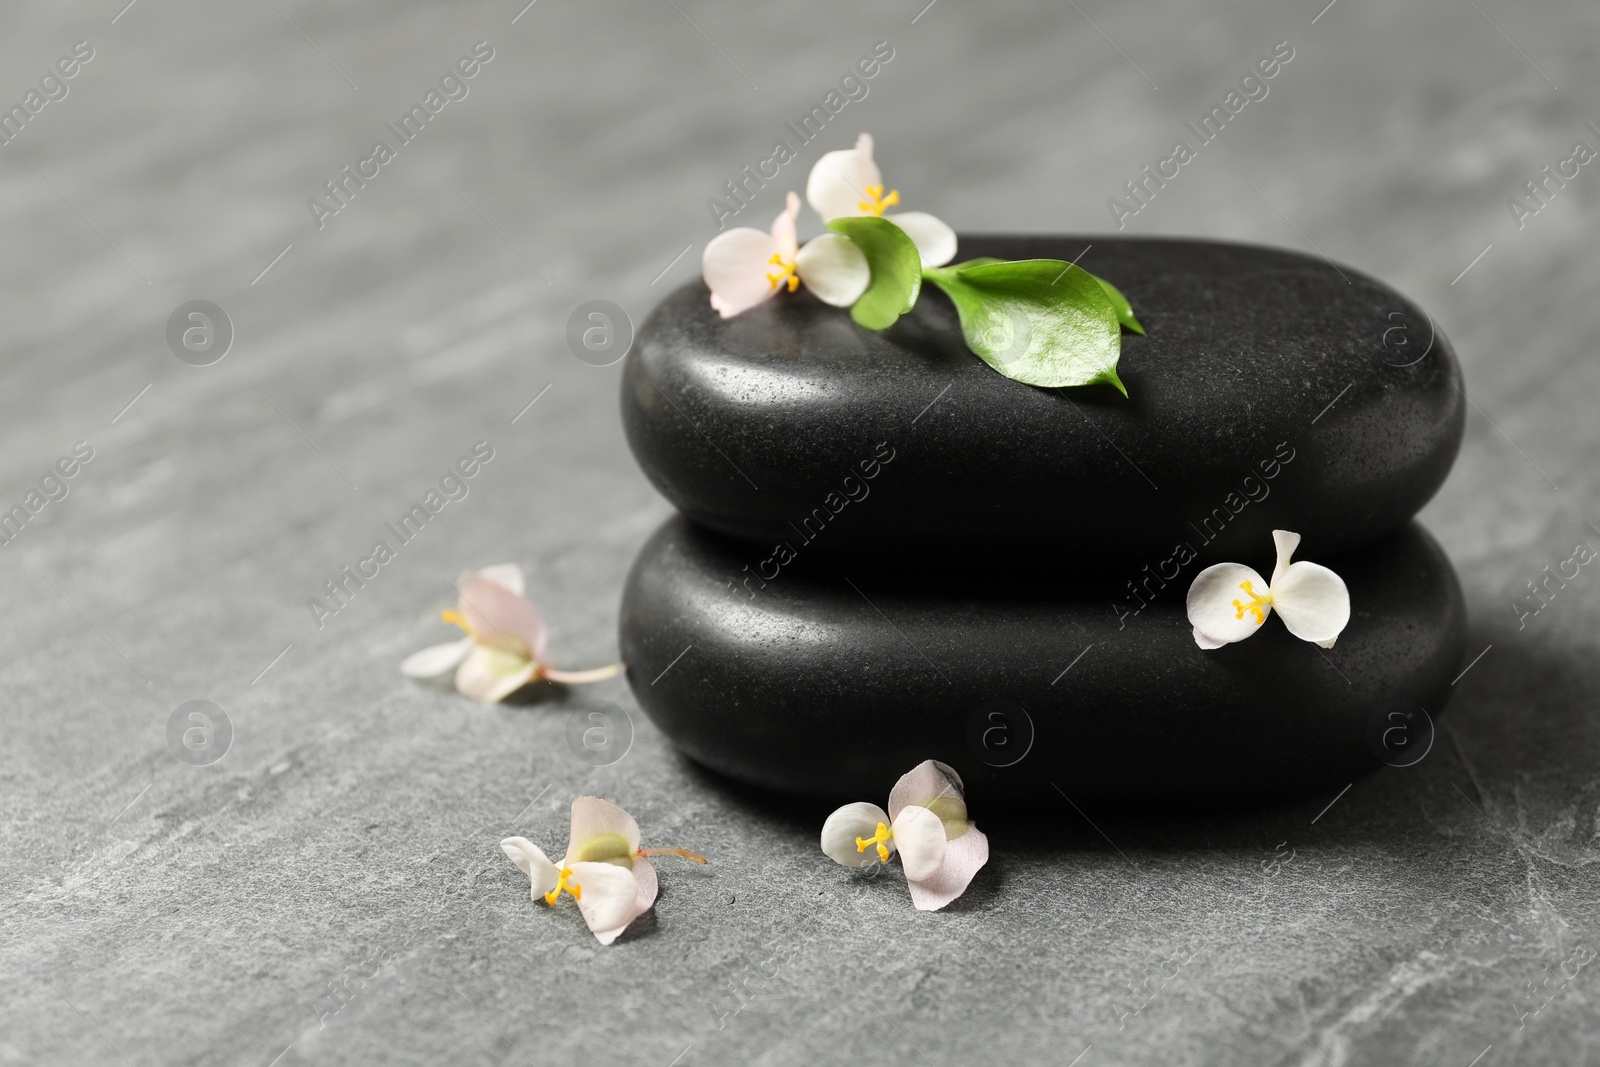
[1274,390]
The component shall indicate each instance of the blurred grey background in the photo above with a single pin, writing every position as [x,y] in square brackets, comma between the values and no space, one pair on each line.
[331,890]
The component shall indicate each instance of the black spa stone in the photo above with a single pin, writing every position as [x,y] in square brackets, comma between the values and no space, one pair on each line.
[1273,390]
[834,680]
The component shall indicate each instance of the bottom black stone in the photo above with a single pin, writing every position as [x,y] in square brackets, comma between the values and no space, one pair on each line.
[834,681]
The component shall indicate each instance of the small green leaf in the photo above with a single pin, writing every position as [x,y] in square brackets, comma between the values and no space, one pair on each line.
[1124,310]
[896,269]
[1038,321]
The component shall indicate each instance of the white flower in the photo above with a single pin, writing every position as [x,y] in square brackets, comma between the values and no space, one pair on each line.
[848,182]
[744,266]
[926,823]
[604,868]
[1313,601]
[504,647]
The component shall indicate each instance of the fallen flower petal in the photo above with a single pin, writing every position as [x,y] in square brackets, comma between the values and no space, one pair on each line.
[505,643]
[604,870]
[927,823]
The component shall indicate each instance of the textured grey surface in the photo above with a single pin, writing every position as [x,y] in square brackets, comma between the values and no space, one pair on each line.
[331,890]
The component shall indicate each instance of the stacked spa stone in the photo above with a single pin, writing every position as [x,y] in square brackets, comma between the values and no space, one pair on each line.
[888,552]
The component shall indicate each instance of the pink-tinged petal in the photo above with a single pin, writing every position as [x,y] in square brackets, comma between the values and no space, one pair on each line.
[1285,542]
[839,180]
[608,897]
[834,269]
[592,816]
[923,784]
[920,837]
[1312,601]
[783,228]
[735,267]
[489,675]
[500,618]
[506,574]
[436,660]
[1212,610]
[964,857]
[531,860]
[649,885]
[935,241]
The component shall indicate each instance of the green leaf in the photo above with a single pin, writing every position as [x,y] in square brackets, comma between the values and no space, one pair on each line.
[896,269]
[1124,310]
[1039,321]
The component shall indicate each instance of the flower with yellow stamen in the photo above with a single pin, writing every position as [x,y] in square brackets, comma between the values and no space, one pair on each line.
[604,871]
[926,824]
[848,182]
[735,265]
[505,643]
[1312,600]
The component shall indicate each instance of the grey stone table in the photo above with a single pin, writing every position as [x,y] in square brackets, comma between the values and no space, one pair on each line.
[331,890]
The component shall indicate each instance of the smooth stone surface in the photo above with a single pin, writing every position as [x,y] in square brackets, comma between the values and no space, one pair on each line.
[754,425]
[834,681]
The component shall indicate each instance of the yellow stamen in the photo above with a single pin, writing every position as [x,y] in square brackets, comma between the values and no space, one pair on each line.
[551,897]
[786,273]
[455,618]
[878,202]
[685,853]
[882,834]
[1257,603]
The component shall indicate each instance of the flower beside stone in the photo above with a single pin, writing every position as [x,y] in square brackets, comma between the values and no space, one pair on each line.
[927,824]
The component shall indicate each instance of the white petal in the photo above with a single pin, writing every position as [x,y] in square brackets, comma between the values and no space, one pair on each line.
[592,816]
[934,240]
[735,267]
[1312,601]
[1213,610]
[923,784]
[489,675]
[506,574]
[783,227]
[608,897]
[833,268]
[644,877]
[1286,543]
[1205,641]
[919,835]
[839,180]
[435,660]
[533,863]
[964,857]
[845,826]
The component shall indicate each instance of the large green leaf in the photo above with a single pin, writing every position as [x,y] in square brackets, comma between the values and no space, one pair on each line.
[1119,302]
[896,269]
[1039,321]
